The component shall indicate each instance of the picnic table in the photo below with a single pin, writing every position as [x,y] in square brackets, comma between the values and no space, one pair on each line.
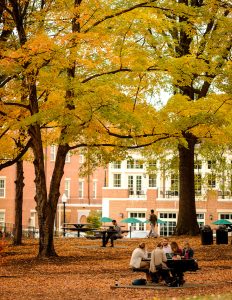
[79,227]
[177,267]
[103,232]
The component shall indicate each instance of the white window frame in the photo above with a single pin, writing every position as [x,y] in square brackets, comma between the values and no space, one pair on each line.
[94,188]
[116,165]
[53,153]
[81,189]
[67,187]
[81,158]
[152,180]
[68,157]
[3,188]
[117,180]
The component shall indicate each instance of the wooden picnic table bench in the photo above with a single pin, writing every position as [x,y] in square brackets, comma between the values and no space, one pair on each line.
[103,233]
[78,227]
[176,267]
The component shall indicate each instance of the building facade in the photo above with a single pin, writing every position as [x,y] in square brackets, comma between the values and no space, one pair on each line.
[129,188]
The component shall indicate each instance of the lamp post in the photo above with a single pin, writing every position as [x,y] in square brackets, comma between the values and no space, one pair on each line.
[64,200]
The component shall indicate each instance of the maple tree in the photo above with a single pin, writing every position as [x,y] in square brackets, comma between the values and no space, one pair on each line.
[62,83]
[190,42]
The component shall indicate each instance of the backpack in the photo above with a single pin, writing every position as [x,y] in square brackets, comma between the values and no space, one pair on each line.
[140,281]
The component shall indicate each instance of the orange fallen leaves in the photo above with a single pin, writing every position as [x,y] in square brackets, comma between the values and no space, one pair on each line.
[85,270]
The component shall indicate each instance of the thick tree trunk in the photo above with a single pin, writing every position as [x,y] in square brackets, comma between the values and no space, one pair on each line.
[187,219]
[17,239]
[46,205]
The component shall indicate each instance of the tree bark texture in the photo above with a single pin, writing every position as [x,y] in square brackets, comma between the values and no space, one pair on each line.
[187,219]
[19,185]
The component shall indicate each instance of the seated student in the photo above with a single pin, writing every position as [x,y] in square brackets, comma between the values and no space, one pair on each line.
[113,233]
[177,273]
[187,252]
[176,251]
[137,257]
[158,267]
[166,247]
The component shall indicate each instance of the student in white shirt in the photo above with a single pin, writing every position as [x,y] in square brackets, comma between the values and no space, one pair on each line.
[137,257]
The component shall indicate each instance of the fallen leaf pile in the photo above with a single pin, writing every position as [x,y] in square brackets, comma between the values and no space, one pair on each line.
[84,270]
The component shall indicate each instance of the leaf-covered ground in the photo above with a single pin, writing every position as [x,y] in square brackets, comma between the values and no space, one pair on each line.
[85,270]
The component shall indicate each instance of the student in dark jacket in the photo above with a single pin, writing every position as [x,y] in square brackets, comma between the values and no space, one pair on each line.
[187,251]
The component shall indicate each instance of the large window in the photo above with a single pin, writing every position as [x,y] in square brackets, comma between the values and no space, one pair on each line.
[226,216]
[198,184]
[81,189]
[135,184]
[134,164]
[67,187]
[138,215]
[53,153]
[95,189]
[169,226]
[2,187]
[201,219]
[211,180]
[2,219]
[117,180]
[68,157]
[175,184]
[152,180]
[117,165]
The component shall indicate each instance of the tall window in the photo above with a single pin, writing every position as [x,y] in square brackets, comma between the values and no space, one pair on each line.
[94,189]
[198,165]
[169,226]
[135,184]
[152,180]
[211,180]
[67,187]
[81,189]
[117,180]
[131,184]
[201,219]
[198,183]
[138,184]
[2,219]
[138,215]
[175,184]
[53,153]
[117,165]
[68,157]
[2,187]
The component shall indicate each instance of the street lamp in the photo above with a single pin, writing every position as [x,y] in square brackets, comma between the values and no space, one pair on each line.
[64,199]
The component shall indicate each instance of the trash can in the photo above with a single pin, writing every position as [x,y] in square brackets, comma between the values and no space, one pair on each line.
[206,235]
[221,235]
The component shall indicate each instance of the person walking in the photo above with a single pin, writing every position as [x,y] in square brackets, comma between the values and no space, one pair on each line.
[153,222]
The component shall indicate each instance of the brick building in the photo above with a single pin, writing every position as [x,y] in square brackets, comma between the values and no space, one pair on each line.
[124,189]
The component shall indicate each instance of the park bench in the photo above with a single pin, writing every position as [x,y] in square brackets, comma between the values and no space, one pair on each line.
[176,267]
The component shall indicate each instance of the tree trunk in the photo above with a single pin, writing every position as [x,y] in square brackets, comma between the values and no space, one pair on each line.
[17,240]
[187,219]
[46,205]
